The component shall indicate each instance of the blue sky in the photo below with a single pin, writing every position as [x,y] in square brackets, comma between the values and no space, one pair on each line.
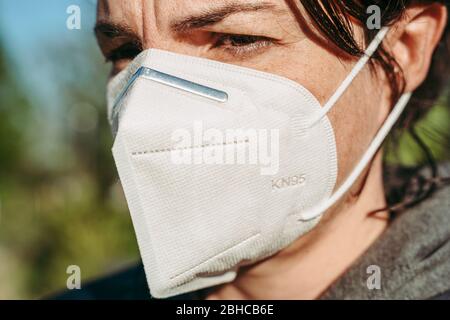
[26,22]
[30,31]
[29,27]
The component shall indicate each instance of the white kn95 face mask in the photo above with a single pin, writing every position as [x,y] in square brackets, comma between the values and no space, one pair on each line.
[197,223]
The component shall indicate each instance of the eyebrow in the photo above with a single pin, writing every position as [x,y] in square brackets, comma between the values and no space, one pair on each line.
[213,16]
[113,30]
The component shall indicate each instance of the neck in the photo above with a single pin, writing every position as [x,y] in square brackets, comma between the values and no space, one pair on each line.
[310,265]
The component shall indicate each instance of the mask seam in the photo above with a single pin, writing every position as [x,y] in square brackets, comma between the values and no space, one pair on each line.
[142,153]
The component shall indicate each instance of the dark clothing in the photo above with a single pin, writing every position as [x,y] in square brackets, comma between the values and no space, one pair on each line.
[413,256]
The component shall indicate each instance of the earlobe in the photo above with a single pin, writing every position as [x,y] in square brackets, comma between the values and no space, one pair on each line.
[417,39]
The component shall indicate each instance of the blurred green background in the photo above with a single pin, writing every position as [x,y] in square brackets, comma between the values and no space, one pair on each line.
[60,201]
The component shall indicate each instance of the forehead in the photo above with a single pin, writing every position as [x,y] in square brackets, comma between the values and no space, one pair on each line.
[119,10]
[133,11]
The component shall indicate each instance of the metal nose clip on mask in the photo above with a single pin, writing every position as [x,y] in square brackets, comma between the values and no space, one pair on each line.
[197,224]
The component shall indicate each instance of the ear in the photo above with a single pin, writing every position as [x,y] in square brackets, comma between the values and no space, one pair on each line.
[415,40]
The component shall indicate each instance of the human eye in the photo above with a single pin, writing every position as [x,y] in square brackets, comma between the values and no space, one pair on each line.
[242,45]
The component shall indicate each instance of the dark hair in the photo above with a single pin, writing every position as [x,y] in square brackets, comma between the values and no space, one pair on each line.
[332,18]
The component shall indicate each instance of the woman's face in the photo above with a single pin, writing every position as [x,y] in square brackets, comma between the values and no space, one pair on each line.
[274,36]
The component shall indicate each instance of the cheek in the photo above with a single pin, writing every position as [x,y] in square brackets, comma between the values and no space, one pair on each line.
[306,64]
[355,119]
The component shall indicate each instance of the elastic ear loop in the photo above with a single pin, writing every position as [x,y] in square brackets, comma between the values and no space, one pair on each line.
[378,139]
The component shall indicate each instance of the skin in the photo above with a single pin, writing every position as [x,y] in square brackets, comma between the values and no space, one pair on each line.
[281,45]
